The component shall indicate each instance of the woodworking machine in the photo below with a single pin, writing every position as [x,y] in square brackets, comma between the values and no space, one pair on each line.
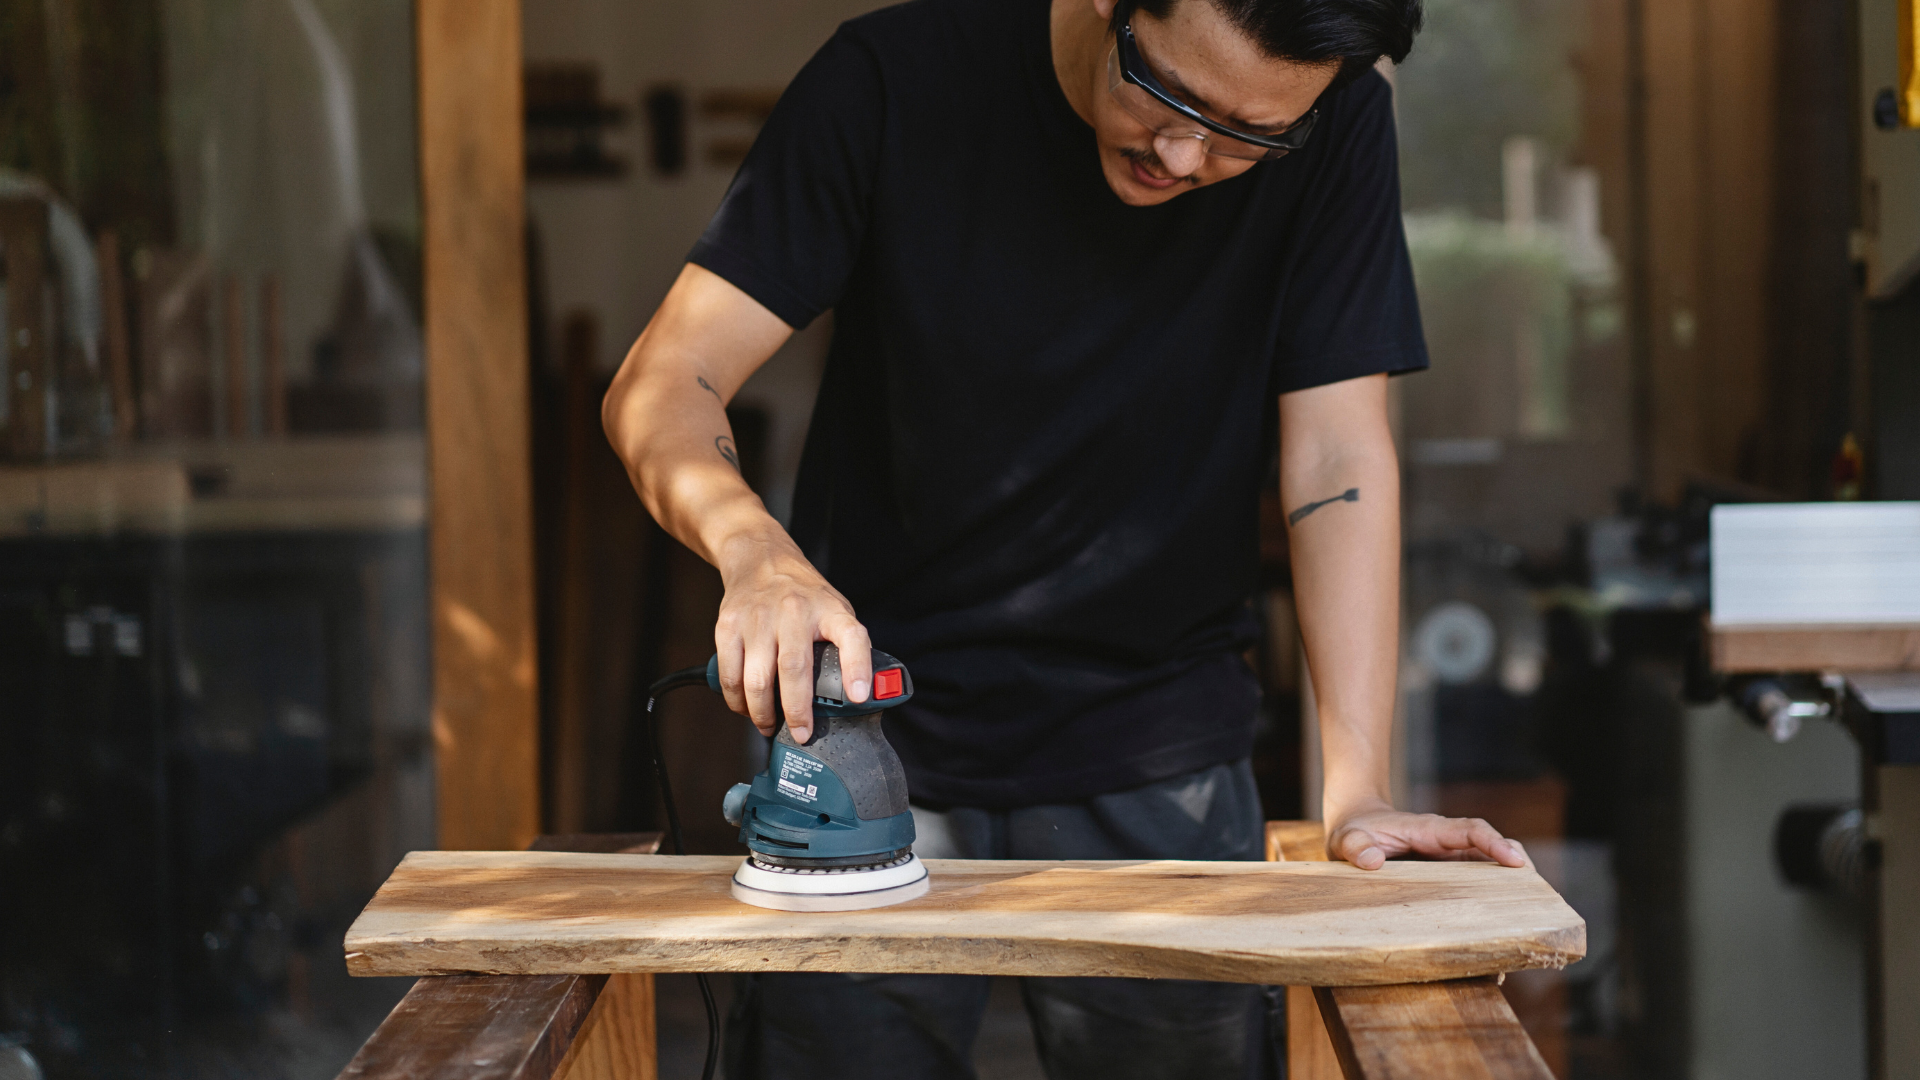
[826,824]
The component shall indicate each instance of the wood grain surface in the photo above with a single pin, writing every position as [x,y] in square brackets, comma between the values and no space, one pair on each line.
[502,1027]
[618,1040]
[1448,1031]
[1318,924]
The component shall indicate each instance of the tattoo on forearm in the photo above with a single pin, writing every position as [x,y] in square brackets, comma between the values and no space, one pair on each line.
[708,387]
[725,446]
[1349,495]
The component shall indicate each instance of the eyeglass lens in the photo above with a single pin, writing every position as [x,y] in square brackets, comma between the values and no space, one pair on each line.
[1167,123]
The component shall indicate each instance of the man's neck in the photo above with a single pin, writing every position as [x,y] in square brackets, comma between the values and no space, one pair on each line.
[1079,38]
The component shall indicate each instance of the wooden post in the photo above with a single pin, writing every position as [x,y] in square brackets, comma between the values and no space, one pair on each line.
[1701,176]
[113,300]
[617,1041]
[485,713]
[234,314]
[1310,1053]
[273,362]
[572,742]
[23,240]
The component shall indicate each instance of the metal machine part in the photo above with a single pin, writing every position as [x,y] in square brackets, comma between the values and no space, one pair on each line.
[1883,712]
[1823,848]
[826,825]
[1781,704]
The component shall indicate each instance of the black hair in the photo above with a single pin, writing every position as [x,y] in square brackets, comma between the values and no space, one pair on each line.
[1355,32]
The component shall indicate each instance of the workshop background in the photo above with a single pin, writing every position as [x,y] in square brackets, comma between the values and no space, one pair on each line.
[1665,252]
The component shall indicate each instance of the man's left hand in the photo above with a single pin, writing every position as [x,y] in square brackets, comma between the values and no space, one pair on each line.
[1367,838]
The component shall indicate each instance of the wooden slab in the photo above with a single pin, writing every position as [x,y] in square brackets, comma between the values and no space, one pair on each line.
[1319,924]
[478,1028]
[1447,1031]
[1761,649]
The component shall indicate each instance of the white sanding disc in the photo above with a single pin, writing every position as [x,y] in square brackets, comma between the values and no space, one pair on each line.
[785,889]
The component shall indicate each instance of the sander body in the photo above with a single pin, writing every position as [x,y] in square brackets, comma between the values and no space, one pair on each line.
[826,824]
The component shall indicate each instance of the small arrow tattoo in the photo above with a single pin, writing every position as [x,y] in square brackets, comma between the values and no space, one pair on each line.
[1349,495]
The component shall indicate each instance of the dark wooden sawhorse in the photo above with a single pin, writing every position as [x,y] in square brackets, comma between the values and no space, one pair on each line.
[601,1027]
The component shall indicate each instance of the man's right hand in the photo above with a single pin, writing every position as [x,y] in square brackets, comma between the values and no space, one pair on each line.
[776,606]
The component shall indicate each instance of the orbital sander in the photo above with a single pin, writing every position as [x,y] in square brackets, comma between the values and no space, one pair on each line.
[826,824]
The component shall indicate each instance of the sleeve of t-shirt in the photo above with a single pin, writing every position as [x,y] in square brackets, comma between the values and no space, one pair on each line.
[791,224]
[1348,306]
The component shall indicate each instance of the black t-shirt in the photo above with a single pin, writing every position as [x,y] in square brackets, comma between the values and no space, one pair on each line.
[1035,461]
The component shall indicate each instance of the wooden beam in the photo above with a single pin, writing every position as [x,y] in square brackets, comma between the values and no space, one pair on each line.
[619,1040]
[1310,1053]
[485,711]
[520,1027]
[1296,841]
[1461,1030]
[1700,169]
[23,237]
[1286,923]
[479,1027]
[1741,650]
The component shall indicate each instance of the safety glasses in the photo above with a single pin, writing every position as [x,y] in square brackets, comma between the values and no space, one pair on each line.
[1132,84]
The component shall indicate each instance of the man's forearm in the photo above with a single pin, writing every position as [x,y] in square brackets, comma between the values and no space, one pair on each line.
[679,451]
[666,417]
[1340,486]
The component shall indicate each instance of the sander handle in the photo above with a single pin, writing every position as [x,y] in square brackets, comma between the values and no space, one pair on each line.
[892,684]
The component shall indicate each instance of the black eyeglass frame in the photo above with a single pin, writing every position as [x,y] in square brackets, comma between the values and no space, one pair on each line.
[1134,70]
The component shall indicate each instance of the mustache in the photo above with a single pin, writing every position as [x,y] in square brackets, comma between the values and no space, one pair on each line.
[1152,161]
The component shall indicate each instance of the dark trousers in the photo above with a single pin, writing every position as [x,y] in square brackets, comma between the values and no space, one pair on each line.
[849,1027]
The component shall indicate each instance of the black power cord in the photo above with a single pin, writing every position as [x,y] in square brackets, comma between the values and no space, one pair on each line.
[685,677]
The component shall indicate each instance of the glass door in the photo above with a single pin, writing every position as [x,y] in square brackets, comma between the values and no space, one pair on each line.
[214,678]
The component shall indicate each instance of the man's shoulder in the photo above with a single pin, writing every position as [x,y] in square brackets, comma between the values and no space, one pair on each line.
[905,23]
[920,31]
[1365,94]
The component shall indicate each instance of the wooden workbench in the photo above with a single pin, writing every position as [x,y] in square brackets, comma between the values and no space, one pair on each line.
[575,930]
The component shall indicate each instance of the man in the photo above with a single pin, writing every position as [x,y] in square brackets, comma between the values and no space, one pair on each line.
[1076,250]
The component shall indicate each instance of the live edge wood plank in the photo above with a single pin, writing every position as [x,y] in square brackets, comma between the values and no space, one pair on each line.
[1315,924]
[1461,1030]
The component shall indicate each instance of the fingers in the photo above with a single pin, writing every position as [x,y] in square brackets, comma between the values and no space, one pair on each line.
[1359,847]
[1489,842]
[769,621]
[756,680]
[1369,840]
[856,653]
[795,664]
[1455,837]
[731,650]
